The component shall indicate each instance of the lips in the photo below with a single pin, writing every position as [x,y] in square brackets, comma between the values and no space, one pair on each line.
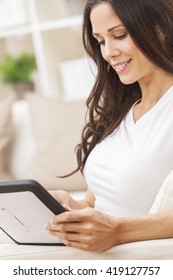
[121,66]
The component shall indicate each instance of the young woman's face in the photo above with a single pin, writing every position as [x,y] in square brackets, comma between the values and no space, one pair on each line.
[117,47]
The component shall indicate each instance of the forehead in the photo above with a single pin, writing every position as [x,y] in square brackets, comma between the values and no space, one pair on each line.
[103,17]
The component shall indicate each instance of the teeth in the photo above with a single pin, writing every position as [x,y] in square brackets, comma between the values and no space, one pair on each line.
[121,66]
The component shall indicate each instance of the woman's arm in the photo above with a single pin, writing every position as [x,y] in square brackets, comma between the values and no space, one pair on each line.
[91,230]
[153,226]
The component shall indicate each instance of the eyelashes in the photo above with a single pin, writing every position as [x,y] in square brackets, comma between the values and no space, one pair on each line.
[117,37]
[121,36]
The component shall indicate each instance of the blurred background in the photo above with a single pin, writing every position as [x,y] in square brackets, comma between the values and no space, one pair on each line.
[45,78]
[41,49]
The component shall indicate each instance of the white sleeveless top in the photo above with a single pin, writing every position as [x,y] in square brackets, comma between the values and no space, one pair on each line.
[126,170]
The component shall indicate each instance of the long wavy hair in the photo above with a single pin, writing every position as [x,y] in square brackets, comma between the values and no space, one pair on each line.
[110,99]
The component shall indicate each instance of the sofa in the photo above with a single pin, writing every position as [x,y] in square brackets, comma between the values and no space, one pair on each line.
[37,140]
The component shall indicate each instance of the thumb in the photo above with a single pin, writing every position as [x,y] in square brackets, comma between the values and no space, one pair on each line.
[67,207]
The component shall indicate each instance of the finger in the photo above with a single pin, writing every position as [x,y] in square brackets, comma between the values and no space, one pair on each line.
[67,207]
[77,244]
[71,227]
[64,235]
[69,243]
[66,217]
[67,236]
[73,216]
[75,240]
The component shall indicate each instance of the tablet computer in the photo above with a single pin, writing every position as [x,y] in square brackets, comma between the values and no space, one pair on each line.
[25,208]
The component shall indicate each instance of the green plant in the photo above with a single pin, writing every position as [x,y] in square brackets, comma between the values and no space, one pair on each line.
[16,69]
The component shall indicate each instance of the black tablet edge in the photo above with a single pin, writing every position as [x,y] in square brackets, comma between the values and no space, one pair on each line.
[35,244]
[35,187]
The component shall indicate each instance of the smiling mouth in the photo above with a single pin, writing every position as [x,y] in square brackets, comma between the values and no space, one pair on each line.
[119,68]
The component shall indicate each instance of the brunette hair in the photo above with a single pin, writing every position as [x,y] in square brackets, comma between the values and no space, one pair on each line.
[110,100]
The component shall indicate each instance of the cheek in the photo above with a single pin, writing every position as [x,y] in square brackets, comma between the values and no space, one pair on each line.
[129,47]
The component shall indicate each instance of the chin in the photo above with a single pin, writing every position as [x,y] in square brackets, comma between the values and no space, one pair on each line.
[127,81]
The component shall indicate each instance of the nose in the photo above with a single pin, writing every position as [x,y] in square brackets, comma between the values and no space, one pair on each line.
[110,51]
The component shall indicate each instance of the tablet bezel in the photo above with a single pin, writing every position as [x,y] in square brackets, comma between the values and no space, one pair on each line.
[40,192]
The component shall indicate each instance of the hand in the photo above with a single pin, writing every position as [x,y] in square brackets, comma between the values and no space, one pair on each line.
[65,199]
[62,197]
[86,229]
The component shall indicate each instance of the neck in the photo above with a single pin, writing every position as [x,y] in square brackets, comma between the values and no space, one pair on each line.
[155,87]
[152,91]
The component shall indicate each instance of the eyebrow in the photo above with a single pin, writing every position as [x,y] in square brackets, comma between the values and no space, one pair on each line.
[111,28]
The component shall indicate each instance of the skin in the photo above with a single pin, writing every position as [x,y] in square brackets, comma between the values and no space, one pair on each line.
[82,226]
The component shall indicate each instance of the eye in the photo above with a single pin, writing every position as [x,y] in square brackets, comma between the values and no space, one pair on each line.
[121,36]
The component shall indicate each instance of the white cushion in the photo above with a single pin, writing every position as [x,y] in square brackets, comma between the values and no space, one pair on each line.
[23,139]
[57,127]
[164,199]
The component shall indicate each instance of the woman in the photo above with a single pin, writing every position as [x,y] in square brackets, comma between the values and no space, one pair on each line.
[127,146]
